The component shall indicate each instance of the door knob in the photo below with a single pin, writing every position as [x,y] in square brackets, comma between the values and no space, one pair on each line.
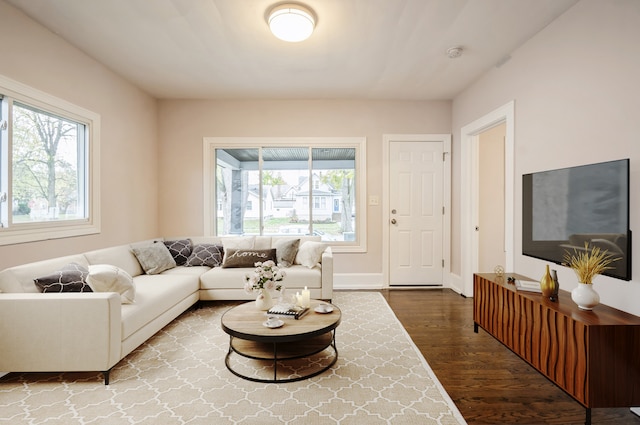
[393,221]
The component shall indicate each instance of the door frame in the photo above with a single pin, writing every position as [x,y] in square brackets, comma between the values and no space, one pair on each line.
[445,139]
[469,198]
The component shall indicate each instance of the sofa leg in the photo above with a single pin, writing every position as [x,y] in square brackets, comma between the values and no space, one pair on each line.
[106,376]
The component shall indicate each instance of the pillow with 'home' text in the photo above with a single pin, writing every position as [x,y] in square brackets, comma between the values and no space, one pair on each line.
[247,257]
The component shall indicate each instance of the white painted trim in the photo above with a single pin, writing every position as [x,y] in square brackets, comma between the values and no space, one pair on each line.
[32,232]
[209,144]
[370,281]
[445,139]
[469,191]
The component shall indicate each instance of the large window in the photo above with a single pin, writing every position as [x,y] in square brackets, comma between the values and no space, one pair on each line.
[48,166]
[287,187]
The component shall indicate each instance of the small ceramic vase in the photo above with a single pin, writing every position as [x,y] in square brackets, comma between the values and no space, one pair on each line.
[585,296]
[264,300]
[556,286]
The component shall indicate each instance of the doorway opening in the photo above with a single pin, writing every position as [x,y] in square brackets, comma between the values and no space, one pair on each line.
[470,192]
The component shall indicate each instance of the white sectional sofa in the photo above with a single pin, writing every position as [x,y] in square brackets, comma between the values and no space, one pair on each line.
[93,331]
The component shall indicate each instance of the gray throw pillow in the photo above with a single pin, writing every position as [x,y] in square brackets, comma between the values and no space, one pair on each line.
[70,278]
[247,257]
[286,250]
[154,258]
[205,255]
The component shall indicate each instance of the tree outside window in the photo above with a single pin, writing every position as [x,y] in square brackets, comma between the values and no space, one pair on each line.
[297,187]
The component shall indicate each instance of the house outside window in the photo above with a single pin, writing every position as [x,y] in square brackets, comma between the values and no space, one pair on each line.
[308,186]
[49,166]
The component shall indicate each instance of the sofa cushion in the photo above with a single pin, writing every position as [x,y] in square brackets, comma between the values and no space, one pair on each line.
[310,253]
[233,278]
[155,294]
[109,278]
[205,255]
[154,258]
[238,242]
[286,250]
[70,278]
[180,250]
[18,279]
[247,257]
[120,256]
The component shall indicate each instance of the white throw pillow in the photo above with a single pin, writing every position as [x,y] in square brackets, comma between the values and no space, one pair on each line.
[108,278]
[310,253]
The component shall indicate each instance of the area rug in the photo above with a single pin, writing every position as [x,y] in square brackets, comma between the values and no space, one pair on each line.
[179,377]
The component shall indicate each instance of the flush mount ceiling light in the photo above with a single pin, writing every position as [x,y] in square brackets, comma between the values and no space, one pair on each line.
[454,52]
[291,22]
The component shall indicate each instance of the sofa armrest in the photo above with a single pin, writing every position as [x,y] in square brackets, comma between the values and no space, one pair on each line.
[327,274]
[59,332]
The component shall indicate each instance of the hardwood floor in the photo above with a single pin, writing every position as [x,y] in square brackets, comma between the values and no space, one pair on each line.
[488,382]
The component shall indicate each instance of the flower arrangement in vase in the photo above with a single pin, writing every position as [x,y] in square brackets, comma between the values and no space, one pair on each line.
[264,279]
[587,263]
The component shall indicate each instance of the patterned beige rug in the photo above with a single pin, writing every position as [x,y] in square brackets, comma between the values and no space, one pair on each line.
[179,377]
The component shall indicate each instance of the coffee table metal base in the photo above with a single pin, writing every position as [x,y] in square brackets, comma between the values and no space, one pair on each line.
[281,353]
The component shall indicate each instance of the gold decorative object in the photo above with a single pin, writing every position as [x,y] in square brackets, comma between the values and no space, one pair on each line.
[547,284]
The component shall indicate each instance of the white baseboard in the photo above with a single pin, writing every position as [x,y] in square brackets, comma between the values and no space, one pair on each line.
[375,281]
[455,283]
[362,281]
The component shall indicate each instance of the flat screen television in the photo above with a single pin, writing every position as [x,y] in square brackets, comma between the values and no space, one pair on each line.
[562,209]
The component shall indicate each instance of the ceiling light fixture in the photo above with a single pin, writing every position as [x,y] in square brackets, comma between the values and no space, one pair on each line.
[454,52]
[291,22]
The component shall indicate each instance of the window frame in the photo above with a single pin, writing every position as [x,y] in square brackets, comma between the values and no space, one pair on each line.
[14,91]
[210,144]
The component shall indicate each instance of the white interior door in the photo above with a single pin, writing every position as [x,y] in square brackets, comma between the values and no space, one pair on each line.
[416,183]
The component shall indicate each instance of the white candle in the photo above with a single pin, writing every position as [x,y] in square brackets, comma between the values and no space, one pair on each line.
[299,299]
[306,297]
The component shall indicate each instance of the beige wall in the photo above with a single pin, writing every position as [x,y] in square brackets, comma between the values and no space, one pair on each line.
[34,56]
[577,97]
[183,124]
[491,246]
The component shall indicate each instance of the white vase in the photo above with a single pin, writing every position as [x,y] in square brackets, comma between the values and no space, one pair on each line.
[264,300]
[585,296]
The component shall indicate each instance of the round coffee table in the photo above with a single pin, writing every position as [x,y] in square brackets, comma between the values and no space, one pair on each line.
[298,339]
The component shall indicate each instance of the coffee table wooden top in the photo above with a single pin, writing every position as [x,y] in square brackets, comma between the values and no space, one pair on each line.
[245,321]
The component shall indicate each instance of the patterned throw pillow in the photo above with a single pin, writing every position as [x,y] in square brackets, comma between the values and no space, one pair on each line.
[70,278]
[247,257]
[205,255]
[180,250]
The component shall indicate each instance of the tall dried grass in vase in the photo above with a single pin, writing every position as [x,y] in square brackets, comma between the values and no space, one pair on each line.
[589,263]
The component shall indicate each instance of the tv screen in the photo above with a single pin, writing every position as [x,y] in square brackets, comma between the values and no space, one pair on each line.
[562,209]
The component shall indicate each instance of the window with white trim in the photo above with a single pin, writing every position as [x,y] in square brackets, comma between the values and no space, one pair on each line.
[308,186]
[48,166]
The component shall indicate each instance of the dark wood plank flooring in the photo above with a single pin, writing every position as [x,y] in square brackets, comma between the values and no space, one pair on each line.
[488,382]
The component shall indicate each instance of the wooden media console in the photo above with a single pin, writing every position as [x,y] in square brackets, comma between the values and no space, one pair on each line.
[594,356]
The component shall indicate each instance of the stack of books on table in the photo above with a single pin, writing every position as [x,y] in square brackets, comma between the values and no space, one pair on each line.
[528,285]
[288,310]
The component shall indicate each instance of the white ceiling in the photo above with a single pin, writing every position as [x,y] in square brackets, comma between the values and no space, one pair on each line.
[361,49]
